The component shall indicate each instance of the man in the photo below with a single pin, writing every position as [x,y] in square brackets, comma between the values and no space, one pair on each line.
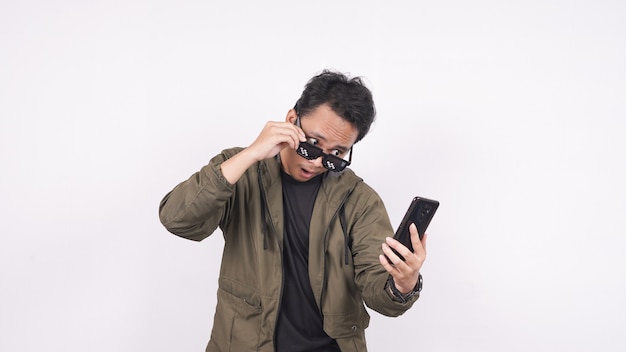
[306,241]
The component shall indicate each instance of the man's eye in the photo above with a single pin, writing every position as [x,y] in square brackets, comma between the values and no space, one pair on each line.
[312,141]
[335,152]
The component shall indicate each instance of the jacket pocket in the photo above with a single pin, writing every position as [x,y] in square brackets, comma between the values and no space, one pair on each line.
[237,322]
[348,329]
[346,324]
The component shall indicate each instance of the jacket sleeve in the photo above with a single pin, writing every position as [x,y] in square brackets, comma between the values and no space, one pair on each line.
[196,207]
[369,229]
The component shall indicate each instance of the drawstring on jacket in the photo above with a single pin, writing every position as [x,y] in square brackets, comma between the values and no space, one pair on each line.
[344,227]
[342,220]
[346,248]
[263,210]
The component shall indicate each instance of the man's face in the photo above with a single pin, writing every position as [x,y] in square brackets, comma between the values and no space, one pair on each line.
[325,129]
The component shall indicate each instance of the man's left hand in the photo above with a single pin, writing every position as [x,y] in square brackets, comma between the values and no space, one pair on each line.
[405,273]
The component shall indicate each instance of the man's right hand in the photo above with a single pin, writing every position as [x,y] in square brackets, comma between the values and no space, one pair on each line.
[274,137]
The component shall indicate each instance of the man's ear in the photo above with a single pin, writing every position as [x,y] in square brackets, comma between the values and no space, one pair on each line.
[291,116]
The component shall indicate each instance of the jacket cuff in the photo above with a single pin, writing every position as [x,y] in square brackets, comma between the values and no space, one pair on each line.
[398,296]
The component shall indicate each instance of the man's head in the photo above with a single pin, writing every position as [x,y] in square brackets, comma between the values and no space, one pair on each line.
[334,112]
[347,97]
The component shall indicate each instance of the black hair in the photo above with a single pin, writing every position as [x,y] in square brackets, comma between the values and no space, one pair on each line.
[347,97]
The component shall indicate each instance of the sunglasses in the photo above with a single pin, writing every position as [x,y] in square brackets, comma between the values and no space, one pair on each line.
[329,161]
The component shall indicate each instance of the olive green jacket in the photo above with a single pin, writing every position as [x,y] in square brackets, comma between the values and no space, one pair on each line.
[344,268]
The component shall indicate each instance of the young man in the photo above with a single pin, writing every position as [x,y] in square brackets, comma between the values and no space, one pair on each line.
[307,242]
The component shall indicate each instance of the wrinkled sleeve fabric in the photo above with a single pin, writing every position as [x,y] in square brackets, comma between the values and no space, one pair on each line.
[197,206]
[369,229]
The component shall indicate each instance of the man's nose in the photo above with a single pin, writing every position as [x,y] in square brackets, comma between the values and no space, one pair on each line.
[318,162]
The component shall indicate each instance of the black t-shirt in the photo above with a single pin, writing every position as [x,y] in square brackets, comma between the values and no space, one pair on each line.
[300,322]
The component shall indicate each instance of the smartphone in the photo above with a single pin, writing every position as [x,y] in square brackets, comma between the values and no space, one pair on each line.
[420,213]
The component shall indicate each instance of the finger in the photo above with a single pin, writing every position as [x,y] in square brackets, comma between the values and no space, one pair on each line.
[274,137]
[399,247]
[296,134]
[290,138]
[386,264]
[286,134]
[418,245]
[300,133]
[396,261]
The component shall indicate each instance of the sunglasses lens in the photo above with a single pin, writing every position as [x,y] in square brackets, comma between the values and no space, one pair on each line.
[309,151]
[334,163]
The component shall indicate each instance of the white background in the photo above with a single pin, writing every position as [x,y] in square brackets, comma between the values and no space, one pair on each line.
[511,113]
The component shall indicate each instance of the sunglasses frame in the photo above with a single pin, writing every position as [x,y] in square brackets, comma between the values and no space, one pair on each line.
[329,161]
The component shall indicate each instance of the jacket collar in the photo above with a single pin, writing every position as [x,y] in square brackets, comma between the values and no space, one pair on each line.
[333,192]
